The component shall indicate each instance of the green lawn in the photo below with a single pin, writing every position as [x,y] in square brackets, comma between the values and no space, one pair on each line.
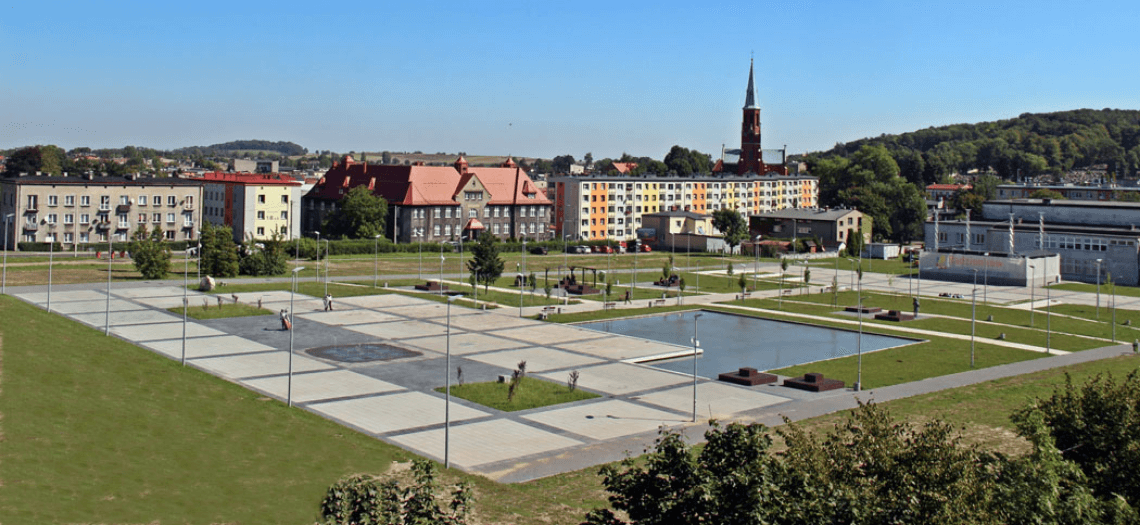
[1105,290]
[223,311]
[530,393]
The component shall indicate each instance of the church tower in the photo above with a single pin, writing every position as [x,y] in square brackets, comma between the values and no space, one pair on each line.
[750,157]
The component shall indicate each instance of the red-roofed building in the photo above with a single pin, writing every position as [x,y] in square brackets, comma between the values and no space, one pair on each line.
[439,203]
[945,191]
[253,205]
[622,167]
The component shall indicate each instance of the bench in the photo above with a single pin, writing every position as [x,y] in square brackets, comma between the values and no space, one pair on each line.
[743,296]
[431,286]
[656,302]
[747,377]
[894,315]
[547,310]
[814,382]
[609,306]
[786,292]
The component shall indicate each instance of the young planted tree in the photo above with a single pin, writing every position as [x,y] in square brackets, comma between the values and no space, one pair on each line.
[150,253]
[485,260]
[219,252]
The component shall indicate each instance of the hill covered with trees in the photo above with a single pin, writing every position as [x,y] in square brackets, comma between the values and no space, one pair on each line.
[1030,145]
[282,147]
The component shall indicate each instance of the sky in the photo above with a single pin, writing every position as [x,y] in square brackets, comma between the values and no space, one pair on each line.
[547,78]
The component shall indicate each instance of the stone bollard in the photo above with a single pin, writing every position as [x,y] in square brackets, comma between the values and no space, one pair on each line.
[1135,345]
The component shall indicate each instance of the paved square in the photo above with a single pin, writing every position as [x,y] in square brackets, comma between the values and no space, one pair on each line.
[254,365]
[301,304]
[156,331]
[76,295]
[161,291]
[607,419]
[620,378]
[492,321]
[193,299]
[382,301]
[722,399]
[316,386]
[482,442]
[463,344]
[394,412]
[402,329]
[537,359]
[548,333]
[207,346]
[349,317]
[78,307]
[98,319]
[431,311]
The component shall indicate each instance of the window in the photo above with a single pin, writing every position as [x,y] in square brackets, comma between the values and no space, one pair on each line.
[156,200]
[157,217]
[124,200]
[497,212]
[105,202]
[84,218]
[487,211]
[447,230]
[472,213]
[284,215]
[68,237]
[260,215]
[447,213]
[284,199]
[261,199]
[495,228]
[69,219]
[53,200]
[142,200]
[171,201]
[260,231]
[170,218]
[435,231]
[436,214]
[84,200]
[169,235]
[51,218]
[506,213]
[532,227]
[189,201]
[69,200]
[84,237]
[123,221]
[142,218]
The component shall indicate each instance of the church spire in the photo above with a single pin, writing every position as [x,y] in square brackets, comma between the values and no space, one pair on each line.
[750,99]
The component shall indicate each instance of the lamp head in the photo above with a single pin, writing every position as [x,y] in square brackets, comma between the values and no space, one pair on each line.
[297,269]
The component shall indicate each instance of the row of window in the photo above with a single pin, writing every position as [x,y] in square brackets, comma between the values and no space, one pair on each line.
[497,229]
[85,237]
[105,201]
[85,218]
[488,212]
[1063,242]
[628,186]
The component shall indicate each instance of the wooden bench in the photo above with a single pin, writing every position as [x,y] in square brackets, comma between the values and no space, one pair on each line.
[744,295]
[609,306]
[787,292]
[657,302]
[547,310]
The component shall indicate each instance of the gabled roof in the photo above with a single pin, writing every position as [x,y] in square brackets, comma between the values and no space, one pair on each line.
[625,167]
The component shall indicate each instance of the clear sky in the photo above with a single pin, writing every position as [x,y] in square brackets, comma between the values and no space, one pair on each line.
[547,78]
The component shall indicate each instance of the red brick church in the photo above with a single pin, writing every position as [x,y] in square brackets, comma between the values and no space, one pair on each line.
[751,158]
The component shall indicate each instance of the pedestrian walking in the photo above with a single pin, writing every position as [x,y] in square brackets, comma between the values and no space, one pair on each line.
[328,302]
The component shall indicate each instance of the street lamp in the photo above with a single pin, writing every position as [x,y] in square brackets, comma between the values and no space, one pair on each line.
[523,275]
[1098,261]
[375,257]
[441,259]
[755,265]
[51,254]
[185,300]
[326,265]
[1048,317]
[986,281]
[859,366]
[696,345]
[447,404]
[110,259]
[1032,279]
[292,328]
[4,283]
[317,266]
[973,316]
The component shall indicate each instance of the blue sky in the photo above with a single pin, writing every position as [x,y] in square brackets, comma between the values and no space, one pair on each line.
[547,78]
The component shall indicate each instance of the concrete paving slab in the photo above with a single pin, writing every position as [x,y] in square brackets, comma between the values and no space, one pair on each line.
[474,444]
[402,329]
[318,386]
[492,321]
[537,359]
[146,291]
[156,331]
[395,412]
[126,318]
[547,333]
[383,301]
[714,399]
[463,344]
[349,317]
[299,305]
[432,311]
[207,346]
[620,347]
[78,307]
[607,419]
[195,299]
[61,296]
[620,378]
[254,365]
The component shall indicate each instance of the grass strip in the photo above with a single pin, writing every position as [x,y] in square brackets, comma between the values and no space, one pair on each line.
[530,393]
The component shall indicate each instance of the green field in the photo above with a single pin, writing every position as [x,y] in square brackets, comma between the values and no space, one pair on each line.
[530,393]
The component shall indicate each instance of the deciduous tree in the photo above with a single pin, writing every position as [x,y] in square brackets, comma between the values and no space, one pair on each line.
[150,253]
[359,215]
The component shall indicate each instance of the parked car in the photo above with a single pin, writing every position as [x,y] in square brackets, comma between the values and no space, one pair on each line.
[538,250]
[645,248]
[582,249]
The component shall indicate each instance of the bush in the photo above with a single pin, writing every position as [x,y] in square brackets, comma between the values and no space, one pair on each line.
[363,499]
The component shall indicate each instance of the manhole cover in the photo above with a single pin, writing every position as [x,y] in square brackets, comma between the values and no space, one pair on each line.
[361,353]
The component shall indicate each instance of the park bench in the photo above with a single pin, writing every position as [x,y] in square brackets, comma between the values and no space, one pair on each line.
[609,305]
[547,310]
[657,302]
[744,295]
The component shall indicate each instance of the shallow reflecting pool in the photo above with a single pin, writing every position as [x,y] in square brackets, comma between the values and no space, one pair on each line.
[734,341]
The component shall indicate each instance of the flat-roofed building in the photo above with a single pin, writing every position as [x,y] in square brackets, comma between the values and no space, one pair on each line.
[74,211]
[832,226]
[253,205]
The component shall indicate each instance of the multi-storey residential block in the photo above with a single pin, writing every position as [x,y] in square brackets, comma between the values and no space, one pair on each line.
[601,207]
[439,203]
[78,210]
[253,205]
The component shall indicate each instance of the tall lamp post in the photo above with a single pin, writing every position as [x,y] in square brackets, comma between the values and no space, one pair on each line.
[859,347]
[326,266]
[185,300]
[522,284]
[696,345]
[1098,261]
[1032,283]
[973,316]
[447,404]
[7,222]
[1048,318]
[292,328]
[756,265]
[441,260]
[110,259]
[986,280]
[51,256]
[317,266]
[375,257]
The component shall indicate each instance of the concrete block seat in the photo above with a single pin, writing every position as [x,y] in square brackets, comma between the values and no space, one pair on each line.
[747,377]
[895,315]
[432,286]
[814,382]
[865,309]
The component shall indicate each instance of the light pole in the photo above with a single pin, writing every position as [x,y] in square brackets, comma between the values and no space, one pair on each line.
[51,256]
[185,301]
[441,259]
[1048,318]
[317,266]
[4,283]
[420,270]
[986,281]
[1113,289]
[1032,279]
[696,345]
[292,328]
[522,283]
[973,316]
[859,348]
[110,259]
[375,257]
[447,404]
[1098,261]
[326,265]
[756,265]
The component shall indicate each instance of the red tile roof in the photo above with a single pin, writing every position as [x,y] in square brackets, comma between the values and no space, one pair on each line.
[428,185]
[260,179]
[948,187]
[625,167]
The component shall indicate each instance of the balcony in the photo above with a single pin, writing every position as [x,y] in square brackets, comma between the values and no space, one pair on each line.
[123,208]
[32,226]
